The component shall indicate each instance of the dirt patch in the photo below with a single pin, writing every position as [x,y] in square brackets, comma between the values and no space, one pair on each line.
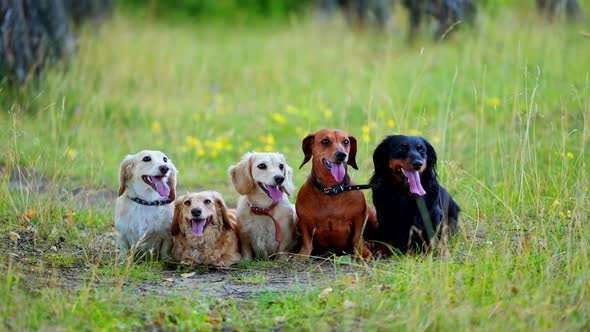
[59,265]
[64,264]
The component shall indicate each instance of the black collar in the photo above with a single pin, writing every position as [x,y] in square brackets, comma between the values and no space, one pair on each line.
[164,201]
[339,188]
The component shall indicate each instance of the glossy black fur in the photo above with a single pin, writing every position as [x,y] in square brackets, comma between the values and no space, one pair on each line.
[397,209]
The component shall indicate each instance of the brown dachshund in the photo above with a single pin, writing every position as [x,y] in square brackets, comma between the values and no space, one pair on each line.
[332,215]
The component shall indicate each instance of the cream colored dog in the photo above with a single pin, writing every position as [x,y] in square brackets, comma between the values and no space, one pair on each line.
[203,231]
[268,223]
[143,212]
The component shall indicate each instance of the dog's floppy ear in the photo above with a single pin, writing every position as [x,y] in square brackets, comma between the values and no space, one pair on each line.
[288,183]
[175,228]
[352,154]
[306,147]
[241,175]
[430,156]
[380,161]
[222,210]
[172,181]
[125,172]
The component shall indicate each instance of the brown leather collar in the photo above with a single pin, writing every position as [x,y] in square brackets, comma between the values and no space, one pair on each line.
[267,212]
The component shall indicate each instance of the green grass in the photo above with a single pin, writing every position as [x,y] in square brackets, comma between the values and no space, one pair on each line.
[505,105]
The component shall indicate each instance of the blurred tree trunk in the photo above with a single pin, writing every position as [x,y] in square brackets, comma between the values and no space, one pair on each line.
[34,33]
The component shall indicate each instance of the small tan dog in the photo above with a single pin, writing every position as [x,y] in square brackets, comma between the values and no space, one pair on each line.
[268,223]
[143,212]
[204,232]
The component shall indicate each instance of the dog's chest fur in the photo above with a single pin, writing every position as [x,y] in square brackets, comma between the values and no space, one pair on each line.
[214,248]
[331,218]
[260,230]
[134,221]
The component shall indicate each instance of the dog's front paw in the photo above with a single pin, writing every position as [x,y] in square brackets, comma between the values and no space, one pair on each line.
[188,262]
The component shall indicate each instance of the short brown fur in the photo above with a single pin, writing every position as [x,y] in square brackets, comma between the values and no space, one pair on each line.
[332,223]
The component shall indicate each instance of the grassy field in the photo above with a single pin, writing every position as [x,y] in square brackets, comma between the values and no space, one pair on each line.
[506,105]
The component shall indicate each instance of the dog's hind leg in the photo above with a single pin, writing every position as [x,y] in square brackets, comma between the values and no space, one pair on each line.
[307,242]
[123,249]
[360,246]
[245,247]
[165,249]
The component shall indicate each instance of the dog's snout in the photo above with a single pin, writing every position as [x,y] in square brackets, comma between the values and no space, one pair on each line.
[417,164]
[164,169]
[279,179]
[340,156]
[196,212]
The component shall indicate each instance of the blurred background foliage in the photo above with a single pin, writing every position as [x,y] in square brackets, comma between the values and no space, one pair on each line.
[241,10]
[249,10]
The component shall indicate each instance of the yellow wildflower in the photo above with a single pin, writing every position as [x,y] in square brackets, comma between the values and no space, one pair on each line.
[390,123]
[208,143]
[365,129]
[569,213]
[270,139]
[214,153]
[71,154]
[366,138]
[279,118]
[200,152]
[291,109]
[193,141]
[155,127]
[245,145]
[569,155]
[268,148]
[328,113]
[414,132]
[555,204]
[495,101]
[561,214]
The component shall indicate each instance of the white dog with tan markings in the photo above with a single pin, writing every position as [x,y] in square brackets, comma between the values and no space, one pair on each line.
[268,223]
[144,209]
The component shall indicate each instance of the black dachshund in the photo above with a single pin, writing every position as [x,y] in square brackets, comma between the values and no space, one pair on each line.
[406,191]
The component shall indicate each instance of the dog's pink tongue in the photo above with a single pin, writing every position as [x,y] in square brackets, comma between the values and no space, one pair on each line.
[275,193]
[161,186]
[198,226]
[338,171]
[415,185]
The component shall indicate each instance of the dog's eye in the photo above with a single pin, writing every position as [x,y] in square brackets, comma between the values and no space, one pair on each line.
[261,166]
[403,147]
[165,159]
[346,142]
[420,148]
[147,158]
[187,202]
[325,141]
[207,201]
[281,166]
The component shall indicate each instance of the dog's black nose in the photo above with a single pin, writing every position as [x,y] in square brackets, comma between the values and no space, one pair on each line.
[279,179]
[196,212]
[340,156]
[164,169]
[417,164]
